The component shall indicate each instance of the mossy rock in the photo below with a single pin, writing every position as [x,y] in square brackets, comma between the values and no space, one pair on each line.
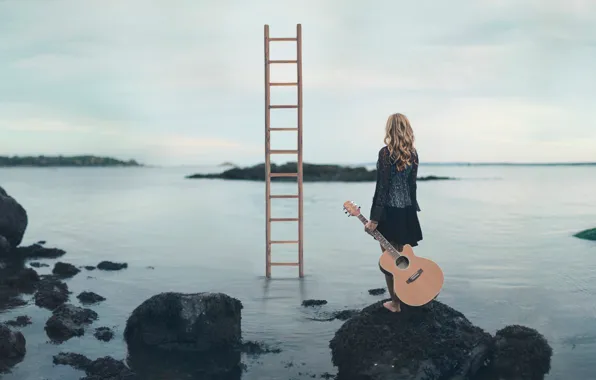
[587,234]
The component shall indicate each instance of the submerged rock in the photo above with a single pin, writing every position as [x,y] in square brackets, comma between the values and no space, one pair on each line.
[430,342]
[13,219]
[12,347]
[20,321]
[106,368]
[109,265]
[87,298]
[103,333]
[68,321]
[377,291]
[307,303]
[187,334]
[37,251]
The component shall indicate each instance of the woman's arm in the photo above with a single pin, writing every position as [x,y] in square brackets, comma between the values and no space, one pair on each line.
[413,185]
[380,198]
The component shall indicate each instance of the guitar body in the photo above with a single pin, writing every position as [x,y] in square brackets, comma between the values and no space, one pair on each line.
[416,280]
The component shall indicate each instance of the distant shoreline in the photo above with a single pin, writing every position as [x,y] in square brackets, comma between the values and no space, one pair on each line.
[65,161]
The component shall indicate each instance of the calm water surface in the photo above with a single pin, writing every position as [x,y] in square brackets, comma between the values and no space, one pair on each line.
[501,234]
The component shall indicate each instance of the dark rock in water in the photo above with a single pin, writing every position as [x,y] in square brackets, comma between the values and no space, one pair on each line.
[326,316]
[65,269]
[41,242]
[587,234]
[103,333]
[89,298]
[191,335]
[307,303]
[37,264]
[51,293]
[199,321]
[36,252]
[106,368]
[377,291]
[519,353]
[344,315]
[20,321]
[108,265]
[311,173]
[68,321]
[24,281]
[12,347]
[13,219]
[430,342]
[78,361]
[89,267]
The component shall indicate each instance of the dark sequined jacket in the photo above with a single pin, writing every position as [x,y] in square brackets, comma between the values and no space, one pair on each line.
[394,188]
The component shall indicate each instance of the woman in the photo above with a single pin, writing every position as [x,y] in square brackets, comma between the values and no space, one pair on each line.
[394,209]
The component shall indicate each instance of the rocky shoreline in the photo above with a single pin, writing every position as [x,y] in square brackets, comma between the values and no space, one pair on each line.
[70,161]
[311,173]
[199,335]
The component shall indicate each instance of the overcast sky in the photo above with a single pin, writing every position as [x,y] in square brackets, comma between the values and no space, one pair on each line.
[181,82]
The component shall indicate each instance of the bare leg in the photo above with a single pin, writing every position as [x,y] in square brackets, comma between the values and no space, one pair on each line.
[395,304]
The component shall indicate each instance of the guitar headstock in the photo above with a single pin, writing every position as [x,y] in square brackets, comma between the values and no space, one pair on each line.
[351,208]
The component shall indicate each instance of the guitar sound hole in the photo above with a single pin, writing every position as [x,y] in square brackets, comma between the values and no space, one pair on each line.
[402,262]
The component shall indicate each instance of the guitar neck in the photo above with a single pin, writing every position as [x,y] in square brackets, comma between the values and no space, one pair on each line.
[380,238]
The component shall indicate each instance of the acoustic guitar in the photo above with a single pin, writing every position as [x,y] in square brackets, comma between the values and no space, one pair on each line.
[416,280]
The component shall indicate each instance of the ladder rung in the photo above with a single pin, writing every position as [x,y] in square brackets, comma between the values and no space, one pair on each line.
[283,174]
[283,61]
[283,151]
[284,241]
[283,84]
[284,106]
[283,39]
[285,264]
[283,129]
[284,196]
[283,219]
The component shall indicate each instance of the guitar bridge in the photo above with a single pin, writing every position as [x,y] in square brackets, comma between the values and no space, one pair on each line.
[415,276]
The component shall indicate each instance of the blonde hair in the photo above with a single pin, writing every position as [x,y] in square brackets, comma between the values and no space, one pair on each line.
[399,138]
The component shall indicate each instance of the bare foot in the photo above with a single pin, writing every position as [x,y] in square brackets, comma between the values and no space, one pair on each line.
[392,306]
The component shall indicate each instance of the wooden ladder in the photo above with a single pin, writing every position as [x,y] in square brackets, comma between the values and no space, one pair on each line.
[269,152]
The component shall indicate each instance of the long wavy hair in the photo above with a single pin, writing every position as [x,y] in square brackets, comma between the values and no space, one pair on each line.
[399,138]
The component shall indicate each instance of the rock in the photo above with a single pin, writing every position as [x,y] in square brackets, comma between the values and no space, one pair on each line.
[377,291]
[51,293]
[36,251]
[13,219]
[103,333]
[587,234]
[326,316]
[430,342]
[37,264]
[307,303]
[311,173]
[106,368]
[194,335]
[20,321]
[41,242]
[65,269]
[12,347]
[199,321]
[344,315]
[89,267]
[24,281]
[108,265]
[87,298]
[68,321]
[258,348]
[520,353]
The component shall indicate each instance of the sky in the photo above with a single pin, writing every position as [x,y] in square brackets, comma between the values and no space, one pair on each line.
[181,82]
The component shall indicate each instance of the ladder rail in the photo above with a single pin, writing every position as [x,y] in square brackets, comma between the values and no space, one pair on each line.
[268,151]
[267,158]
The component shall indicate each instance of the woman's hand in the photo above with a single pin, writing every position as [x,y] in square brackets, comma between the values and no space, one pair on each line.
[371,226]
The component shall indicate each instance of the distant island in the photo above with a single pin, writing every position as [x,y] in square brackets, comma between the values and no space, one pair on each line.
[227,164]
[52,161]
[587,234]
[311,173]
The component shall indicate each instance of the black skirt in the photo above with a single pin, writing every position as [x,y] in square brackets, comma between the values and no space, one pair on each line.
[401,226]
